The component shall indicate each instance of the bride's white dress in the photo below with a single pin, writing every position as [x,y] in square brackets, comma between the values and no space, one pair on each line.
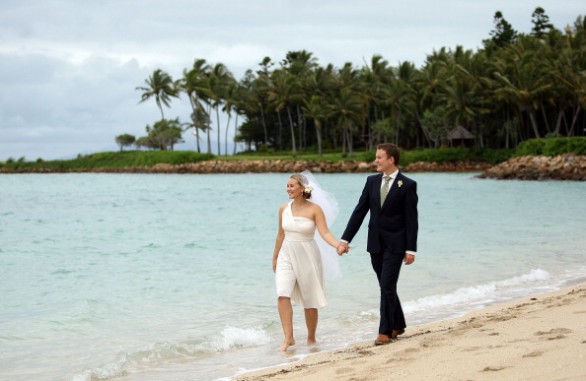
[299,272]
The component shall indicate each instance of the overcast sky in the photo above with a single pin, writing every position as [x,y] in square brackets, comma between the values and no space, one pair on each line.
[69,68]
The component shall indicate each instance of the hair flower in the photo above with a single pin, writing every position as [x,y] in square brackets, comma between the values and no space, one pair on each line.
[400,183]
[308,188]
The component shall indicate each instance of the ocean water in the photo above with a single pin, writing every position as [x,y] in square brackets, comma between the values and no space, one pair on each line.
[168,277]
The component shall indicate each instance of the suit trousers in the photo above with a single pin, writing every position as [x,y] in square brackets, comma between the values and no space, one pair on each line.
[387,267]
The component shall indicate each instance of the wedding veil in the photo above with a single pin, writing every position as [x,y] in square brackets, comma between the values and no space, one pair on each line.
[330,207]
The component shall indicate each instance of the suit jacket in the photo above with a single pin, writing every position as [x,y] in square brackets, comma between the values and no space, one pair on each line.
[393,225]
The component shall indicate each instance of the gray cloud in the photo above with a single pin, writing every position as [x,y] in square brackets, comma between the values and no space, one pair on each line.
[69,69]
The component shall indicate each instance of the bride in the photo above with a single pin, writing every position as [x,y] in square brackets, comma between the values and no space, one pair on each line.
[301,253]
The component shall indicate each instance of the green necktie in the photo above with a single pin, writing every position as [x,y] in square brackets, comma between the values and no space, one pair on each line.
[385,189]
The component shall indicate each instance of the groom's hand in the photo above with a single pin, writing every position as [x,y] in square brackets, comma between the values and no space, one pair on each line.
[409,258]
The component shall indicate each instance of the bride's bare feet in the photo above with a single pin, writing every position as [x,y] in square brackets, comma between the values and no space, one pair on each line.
[311,341]
[286,344]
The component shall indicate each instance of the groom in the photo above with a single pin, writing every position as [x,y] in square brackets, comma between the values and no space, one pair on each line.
[391,199]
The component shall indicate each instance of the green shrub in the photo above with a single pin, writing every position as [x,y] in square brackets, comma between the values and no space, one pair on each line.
[440,155]
[113,160]
[140,158]
[552,146]
[367,156]
[495,156]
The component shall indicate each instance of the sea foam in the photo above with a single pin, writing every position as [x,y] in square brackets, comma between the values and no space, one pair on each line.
[464,299]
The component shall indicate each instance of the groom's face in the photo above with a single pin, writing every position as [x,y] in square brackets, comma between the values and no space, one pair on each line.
[383,162]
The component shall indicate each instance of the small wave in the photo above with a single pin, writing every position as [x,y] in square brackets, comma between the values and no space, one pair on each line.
[233,337]
[162,353]
[362,317]
[115,369]
[465,298]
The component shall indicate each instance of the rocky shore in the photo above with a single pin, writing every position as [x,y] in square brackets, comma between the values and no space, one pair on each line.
[288,166]
[268,166]
[562,167]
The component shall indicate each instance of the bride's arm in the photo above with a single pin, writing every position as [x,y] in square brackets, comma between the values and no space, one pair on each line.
[322,227]
[280,238]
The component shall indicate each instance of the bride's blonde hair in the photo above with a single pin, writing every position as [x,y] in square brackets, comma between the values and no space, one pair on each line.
[302,180]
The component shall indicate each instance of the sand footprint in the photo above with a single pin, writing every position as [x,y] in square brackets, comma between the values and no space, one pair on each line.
[533,354]
[554,333]
[344,370]
[493,368]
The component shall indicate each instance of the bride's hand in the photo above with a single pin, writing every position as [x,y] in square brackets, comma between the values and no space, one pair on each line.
[342,248]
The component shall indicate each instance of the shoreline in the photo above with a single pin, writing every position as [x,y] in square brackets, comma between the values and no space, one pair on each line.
[263,166]
[539,337]
[560,167]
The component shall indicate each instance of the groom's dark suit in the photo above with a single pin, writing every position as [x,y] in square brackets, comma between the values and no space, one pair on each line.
[392,230]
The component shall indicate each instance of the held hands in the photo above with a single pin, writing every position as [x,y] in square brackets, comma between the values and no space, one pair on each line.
[342,248]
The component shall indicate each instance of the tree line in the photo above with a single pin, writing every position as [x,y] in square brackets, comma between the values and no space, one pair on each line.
[518,86]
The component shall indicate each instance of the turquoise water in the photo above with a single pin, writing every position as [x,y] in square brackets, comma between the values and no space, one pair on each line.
[168,277]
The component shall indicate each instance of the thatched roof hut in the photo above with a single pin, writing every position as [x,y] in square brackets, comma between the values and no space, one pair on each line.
[459,136]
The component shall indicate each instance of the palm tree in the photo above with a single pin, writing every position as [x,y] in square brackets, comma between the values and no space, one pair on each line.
[195,84]
[161,86]
[282,95]
[261,88]
[517,86]
[239,98]
[349,107]
[465,90]
[401,95]
[318,90]
[219,77]
[230,100]
[200,121]
[377,79]
[525,82]
[569,70]
[300,65]
[317,109]
[429,82]
[249,104]
[350,103]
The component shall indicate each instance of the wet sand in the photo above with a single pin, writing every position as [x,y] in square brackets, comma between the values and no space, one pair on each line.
[537,338]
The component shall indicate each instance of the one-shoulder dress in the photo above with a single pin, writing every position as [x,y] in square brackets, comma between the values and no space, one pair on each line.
[299,272]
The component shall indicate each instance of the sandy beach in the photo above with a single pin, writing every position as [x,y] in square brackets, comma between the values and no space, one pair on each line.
[537,338]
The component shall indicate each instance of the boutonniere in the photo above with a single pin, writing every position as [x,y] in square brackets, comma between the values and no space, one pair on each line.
[400,183]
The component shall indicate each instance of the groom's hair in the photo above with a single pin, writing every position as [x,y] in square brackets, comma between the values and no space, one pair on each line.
[392,151]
